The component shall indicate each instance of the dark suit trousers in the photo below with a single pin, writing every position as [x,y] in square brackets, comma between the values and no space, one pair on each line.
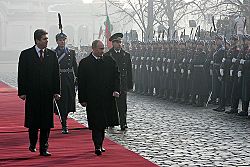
[44,136]
[98,137]
[122,108]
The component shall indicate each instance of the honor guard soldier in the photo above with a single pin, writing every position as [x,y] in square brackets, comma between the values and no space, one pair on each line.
[68,72]
[244,73]
[123,61]
[233,69]
[216,62]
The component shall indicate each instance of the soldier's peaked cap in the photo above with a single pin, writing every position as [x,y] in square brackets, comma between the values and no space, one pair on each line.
[246,37]
[219,37]
[116,37]
[61,36]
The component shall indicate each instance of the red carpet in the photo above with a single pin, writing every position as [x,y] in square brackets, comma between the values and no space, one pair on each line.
[72,150]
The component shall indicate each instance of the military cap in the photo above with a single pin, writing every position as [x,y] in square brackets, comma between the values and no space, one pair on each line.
[201,42]
[246,37]
[219,37]
[61,36]
[116,37]
[234,37]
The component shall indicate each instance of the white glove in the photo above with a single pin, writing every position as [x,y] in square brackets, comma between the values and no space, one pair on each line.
[174,69]
[182,71]
[234,60]
[222,72]
[239,74]
[189,72]
[223,60]
[168,60]
[211,62]
[211,72]
[242,61]
[231,73]
[167,70]
[157,68]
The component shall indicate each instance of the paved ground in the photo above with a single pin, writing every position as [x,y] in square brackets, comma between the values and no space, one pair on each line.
[176,135]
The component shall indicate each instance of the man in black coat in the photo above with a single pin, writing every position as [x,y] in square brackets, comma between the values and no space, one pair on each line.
[68,72]
[123,61]
[39,85]
[98,87]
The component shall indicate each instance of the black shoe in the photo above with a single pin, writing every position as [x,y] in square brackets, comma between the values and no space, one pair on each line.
[123,128]
[98,151]
[126,126]
[243,113]
[232,111]
[219,109]
[32,148]
[103,149]
[45,153]
[65,131]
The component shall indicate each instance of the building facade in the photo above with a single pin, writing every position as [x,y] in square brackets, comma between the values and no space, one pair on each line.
[19,19]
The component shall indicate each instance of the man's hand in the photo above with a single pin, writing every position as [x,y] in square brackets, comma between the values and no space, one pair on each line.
[242,61]
[116,94]
[84,104]
[23,97]
[57,96]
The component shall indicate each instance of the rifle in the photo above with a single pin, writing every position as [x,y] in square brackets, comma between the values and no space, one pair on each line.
[211,92]
[191,33]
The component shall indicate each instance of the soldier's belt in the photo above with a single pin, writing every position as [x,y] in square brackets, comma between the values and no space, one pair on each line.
[199,66]
[216,64]
[65,70]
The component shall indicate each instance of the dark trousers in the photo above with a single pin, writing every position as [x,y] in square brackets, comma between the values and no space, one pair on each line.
[44,136]
[122,108]
[236,93]
[98,137]
[245,105]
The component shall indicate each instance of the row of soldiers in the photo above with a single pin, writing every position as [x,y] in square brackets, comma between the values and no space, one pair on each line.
[195,72]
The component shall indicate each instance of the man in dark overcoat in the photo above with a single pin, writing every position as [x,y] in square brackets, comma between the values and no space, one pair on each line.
[68,72]
[39,85]
[123,61]
[98,87]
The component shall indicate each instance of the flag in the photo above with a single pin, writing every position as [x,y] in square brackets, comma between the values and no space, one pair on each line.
[107,28]
[100,32]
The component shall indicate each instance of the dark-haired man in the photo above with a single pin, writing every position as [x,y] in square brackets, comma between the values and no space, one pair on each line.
[39,86]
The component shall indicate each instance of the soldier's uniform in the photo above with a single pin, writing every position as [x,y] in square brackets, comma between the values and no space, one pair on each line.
[68,72]
[123,61]
[216,62]
[244,69]
[226,87]
[198,68]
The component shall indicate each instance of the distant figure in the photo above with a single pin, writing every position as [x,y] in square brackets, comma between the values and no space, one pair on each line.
[98,87]
[39,85]
[123,61]
[68,72]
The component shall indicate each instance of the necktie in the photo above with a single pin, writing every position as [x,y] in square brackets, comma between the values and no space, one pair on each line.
[41,55]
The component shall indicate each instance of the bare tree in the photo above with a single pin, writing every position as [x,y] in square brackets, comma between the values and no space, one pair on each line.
[169,13]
